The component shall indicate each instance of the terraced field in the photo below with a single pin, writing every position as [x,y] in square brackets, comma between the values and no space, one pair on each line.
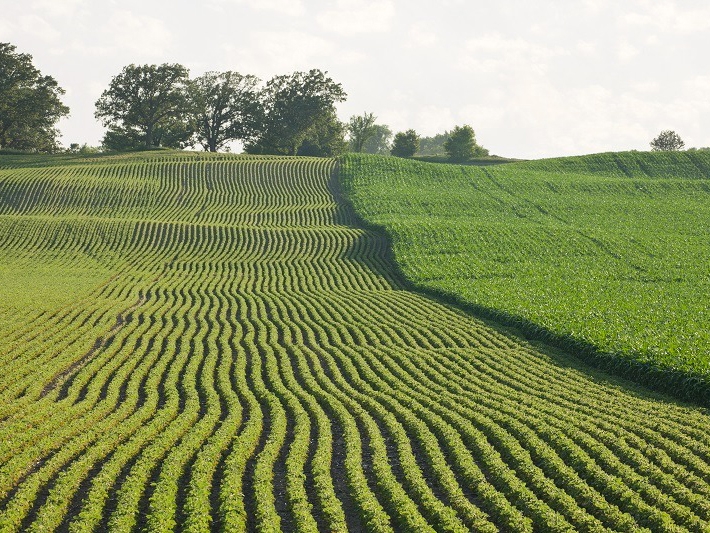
[199,343]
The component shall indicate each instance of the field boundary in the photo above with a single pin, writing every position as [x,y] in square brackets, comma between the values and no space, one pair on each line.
[681,385]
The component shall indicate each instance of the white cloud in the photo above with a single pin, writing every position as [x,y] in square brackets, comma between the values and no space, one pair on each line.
[626,52]
[39,28]
[54,8]
[350,17]
[283,52]
[494,53]
[291,8]
[420,35]
[138,34]
[668,17]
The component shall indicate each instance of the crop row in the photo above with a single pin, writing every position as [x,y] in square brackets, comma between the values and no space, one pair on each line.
[230,375]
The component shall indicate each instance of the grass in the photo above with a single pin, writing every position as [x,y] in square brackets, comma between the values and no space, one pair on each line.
[606,253]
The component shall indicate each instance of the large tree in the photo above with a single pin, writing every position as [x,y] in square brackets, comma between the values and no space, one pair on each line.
[293,104]
[225,107]
[379,142]
[461,144]
[667,140]
[326,138]
[30,104]
[146,105]
[405,144]
[360,129]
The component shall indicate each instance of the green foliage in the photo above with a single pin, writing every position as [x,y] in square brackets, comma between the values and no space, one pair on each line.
[360,130]
[379,142]
[433,146]
[225,107]
[667,140]
[405,144]
[203,342]
[293,106]
[30,104]
[461,145]
[606,250]
[325,138]
[146,105]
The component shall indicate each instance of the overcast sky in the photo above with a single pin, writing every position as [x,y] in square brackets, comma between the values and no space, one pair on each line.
[534,79]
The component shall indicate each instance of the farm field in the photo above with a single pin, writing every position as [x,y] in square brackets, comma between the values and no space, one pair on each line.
[606,254]
[203,342]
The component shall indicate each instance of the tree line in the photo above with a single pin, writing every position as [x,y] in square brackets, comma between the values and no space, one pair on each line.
[149,106]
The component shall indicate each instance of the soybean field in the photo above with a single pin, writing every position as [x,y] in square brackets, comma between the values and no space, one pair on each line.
[605,254]
[196,342]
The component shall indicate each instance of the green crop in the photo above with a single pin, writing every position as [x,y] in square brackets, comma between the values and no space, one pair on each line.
[214,343]
[606,254]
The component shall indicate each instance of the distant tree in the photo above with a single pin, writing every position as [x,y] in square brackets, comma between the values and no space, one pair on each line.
[405,144]
[360,129]
[29,104]
[293,104]
[461,144]
[379,142]
[433,145]
[225,107]
[667,140]
[146,105]
[326,138]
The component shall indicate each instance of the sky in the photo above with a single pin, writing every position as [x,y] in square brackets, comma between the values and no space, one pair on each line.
[534,79]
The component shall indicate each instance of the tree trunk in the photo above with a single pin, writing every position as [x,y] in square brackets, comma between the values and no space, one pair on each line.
[149,136]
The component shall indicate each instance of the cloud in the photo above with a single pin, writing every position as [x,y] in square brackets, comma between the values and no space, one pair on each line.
[283,52]
[667,17]
[291,8]
[420,35]
[39,28]
[350,17]
[496,54]
[138,34]
[53,8]
[626,52]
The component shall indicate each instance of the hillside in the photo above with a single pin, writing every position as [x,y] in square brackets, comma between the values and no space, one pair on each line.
[604,254]
[203,343]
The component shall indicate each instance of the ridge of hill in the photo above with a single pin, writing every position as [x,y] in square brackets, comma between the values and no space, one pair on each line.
[246,357]
[605,254]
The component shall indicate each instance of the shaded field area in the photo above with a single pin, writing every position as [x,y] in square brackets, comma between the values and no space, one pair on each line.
[223,347]
[604,254]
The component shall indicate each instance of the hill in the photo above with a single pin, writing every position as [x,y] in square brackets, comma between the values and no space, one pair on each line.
[214,343]
[605,254]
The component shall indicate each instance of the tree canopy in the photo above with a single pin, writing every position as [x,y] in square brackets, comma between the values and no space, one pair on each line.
[461,144]
[360,129]
[293,104]
[146,105]
[30,104]
[667,140]
[224,107]
[405,144]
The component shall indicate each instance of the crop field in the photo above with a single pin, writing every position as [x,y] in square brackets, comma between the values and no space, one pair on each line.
[201,342]
[605,253]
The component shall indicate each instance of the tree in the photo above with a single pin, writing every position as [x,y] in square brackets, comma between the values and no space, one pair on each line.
[30,104]
[461,144]
[225,107]
[360,129]
[293,104]
[379,142]
[433,145]
[326,138]
[405,144]
[146,105]
[667,140]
